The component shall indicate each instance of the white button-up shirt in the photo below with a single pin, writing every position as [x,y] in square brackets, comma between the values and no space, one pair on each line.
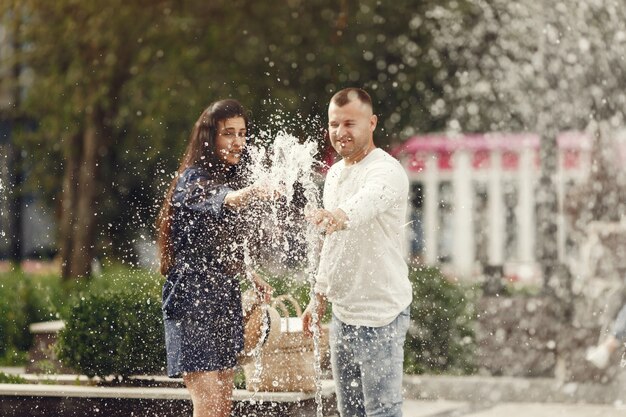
[362,268]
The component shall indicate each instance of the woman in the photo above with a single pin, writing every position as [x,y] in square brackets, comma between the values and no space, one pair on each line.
[200,249]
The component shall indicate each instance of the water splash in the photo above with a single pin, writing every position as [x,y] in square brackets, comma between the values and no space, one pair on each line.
[285,167]
[288,167]
[256,352]
[3,199]
[313,240]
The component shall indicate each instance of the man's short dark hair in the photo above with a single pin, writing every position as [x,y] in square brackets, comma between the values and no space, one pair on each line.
[345,96]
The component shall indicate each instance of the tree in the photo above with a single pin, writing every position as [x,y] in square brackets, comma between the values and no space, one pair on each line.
[11,120]
[116,88]
[84,56]
[320,47]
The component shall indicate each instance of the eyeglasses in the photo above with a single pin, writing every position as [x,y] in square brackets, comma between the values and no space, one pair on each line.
[232,135]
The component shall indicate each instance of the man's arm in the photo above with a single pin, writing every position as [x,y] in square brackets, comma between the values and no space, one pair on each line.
[385,186]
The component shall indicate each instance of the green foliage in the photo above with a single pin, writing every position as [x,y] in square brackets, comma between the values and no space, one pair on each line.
[440,338]
[116,333]
[117,277]
[142,73]
[13,357]
[11,379]
[114,324]
[289,283]
[29,298]
[239,378]
[25,299]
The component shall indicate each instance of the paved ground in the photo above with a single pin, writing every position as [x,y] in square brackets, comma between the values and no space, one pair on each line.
[414,408]
[508,405]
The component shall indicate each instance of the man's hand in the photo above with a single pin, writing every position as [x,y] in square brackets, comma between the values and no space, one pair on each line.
[329,221]
[307,316]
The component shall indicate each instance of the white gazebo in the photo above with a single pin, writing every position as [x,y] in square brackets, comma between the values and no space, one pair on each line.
[478,195]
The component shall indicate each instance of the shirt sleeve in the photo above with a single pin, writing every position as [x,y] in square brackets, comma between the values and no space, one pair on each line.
[385,185]
[196,193]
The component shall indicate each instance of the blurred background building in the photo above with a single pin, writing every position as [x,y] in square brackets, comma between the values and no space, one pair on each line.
[474,198]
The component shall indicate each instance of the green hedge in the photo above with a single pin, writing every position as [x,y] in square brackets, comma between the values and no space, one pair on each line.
[29,298]
[114,323]
[25,299]
[441,337]
[117,333]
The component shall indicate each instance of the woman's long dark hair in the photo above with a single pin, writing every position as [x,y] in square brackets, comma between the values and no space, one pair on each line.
[200,152]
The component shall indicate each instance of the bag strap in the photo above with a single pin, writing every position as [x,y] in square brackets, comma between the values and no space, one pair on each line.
[279,304]
[249,302]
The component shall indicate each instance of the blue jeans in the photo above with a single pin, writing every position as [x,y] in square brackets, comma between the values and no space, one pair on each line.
[367,367]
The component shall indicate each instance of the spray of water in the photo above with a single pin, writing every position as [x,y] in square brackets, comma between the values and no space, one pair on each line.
[287,167]
[256,352]
[2,202]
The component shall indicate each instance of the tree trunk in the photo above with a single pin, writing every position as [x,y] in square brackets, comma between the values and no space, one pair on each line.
[68,205]
[14,153]
[81,202]
[15,205]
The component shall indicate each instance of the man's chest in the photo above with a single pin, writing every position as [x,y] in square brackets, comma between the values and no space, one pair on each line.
[342,187]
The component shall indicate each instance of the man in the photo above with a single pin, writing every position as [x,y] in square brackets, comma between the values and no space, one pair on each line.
[362,270]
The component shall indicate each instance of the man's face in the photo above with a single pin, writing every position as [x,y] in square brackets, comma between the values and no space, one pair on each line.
[351,129]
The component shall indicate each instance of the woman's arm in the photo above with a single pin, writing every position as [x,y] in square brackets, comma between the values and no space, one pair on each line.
[243,197]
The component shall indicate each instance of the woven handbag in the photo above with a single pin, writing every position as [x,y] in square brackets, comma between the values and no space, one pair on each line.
[287,361]
[258,330]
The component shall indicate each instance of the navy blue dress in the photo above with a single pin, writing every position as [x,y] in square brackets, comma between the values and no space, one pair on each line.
[201,295]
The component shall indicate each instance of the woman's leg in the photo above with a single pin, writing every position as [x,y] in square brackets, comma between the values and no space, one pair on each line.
[211,392]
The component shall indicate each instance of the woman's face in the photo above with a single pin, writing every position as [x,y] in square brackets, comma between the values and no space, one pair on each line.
[230,140]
